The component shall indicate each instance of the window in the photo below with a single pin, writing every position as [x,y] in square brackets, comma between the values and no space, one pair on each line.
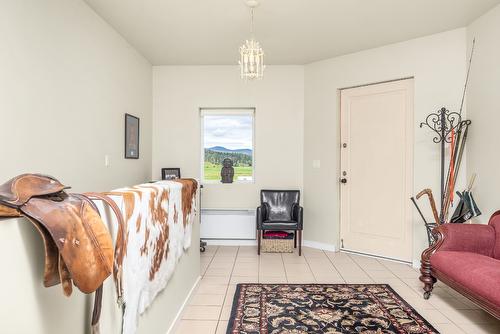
[227,142]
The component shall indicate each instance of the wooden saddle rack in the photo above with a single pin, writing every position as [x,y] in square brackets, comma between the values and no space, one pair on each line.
[78,246]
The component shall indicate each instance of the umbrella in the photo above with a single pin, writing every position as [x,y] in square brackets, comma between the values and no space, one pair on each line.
[466,208]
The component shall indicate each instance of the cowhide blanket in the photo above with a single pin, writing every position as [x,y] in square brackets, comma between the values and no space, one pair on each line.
[158,223]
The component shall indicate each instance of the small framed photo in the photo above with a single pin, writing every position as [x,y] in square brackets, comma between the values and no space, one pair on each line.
[131,137]
[170,173]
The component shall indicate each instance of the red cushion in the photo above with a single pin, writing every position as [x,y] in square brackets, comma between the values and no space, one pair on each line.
[474,238]
[478,273]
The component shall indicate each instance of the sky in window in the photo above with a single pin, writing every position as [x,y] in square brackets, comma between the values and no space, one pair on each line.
[230,131]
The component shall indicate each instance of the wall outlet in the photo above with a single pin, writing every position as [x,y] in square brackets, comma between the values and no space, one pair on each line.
[316,163]
[106,160]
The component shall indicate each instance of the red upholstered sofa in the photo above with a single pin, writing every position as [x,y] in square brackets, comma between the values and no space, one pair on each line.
[466,257]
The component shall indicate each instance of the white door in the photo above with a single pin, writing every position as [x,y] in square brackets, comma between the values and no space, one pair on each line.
[376,169]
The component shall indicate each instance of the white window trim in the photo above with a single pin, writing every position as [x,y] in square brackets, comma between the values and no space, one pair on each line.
[225,111]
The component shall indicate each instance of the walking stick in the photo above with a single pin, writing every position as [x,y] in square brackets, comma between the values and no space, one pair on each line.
[428,227]
[428,192]
[457,166]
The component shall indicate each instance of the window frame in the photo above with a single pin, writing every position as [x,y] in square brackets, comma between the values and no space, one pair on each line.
[213,111]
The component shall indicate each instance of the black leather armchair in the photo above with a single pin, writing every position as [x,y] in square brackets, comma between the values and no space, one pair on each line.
[280,210]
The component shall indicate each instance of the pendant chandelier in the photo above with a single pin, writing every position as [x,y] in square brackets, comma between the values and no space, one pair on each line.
[251,54]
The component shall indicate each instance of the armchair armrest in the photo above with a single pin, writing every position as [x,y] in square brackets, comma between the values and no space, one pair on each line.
[298,215]
[260,216]
[474,238]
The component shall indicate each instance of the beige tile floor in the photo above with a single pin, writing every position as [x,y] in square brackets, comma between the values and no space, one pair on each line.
[223,267]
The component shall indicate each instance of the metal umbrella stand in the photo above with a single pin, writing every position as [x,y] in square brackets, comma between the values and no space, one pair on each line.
[444,123]
[428,226]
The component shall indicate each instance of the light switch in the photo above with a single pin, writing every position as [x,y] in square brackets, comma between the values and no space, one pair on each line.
[316,163]
[106,160]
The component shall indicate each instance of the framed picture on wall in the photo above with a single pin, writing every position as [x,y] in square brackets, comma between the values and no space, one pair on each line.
[170,173]
[131,137]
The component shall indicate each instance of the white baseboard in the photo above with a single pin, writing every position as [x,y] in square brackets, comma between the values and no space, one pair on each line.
[320,245]
[230,242]
[236,242]
[416,264]
[177,318]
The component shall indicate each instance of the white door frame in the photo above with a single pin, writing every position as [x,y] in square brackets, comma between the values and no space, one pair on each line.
[410,159]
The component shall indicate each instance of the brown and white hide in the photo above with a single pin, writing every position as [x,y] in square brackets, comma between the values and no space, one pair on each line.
[158,223]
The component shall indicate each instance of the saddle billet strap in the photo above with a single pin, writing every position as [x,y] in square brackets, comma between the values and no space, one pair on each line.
[96,312]
[117,268]
[65,277]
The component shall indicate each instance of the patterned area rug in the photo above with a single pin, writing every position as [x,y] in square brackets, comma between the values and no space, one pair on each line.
[323,308]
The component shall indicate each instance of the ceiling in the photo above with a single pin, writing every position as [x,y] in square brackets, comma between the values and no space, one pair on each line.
[202,32]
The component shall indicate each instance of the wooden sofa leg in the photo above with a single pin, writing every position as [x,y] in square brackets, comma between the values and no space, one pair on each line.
[425,264]
[427,278]
[295,239]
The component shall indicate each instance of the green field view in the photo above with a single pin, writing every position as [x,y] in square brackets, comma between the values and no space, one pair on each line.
[212,172]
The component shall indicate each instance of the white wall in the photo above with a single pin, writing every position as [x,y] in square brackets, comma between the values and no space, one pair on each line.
[483,108]
[438,64]
[66,80]
[179,92]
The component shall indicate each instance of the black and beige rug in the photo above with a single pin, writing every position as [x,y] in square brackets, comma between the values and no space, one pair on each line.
[323,308]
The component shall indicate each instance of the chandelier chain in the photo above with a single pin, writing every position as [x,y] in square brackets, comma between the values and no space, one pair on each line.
[251,22]
[251,54]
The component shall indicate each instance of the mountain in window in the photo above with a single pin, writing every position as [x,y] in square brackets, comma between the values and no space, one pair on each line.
[222,149]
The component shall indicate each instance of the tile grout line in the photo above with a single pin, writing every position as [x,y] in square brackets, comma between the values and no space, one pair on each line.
[333,264]
[368,275]
[210,263]
[334,268]
[309,266]
[284,268]
[227,289]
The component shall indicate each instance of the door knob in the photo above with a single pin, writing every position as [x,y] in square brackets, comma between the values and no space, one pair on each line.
[343,180]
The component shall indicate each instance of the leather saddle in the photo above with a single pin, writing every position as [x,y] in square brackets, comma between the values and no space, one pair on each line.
[78,246]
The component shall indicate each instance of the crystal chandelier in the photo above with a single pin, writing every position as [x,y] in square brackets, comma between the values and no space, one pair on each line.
[251,54]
